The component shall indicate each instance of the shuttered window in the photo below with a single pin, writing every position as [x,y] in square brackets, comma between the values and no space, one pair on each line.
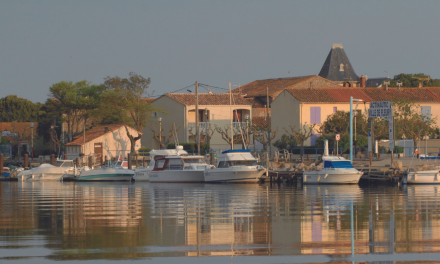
[426,112]
[315,115]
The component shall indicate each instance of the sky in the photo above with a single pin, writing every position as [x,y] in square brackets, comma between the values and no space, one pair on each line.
[177,43]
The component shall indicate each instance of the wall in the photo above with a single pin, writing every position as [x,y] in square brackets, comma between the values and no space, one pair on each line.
[174,112]
[114,144]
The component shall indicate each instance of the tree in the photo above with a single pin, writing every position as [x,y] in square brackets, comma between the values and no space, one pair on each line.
[206,132]
[286,142]
[77,102]
[302,134]
[263,134]
[157,134]
[125,100]
[14,108]
[226,135]
[408,80]
[410,122]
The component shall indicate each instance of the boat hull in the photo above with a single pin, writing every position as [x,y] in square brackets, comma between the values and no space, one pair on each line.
[40,177]
[106,175]
[242,175]
[425,177]
[142,175]
[331,177]
[176,176]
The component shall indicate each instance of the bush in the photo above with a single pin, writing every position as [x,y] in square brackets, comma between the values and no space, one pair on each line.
[144,151]
[286,142]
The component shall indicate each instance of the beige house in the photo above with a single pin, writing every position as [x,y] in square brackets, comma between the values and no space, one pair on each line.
[107,140]
[214,110]
[296,107]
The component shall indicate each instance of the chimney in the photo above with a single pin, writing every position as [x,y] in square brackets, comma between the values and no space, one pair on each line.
[363,81]
[106,129]
[311,87]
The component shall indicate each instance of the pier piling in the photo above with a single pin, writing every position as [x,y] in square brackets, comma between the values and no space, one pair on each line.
[52,159]
[26,161]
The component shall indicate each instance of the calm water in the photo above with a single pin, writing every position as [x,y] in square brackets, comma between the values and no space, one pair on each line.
[197,223]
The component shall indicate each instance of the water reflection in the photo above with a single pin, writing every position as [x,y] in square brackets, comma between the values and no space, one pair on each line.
[137,220]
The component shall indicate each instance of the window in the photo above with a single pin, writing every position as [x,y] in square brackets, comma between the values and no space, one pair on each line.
[335,109]
[315,115]
[341,67]
[174,164]
[426,112]
[159,164]
[190,161]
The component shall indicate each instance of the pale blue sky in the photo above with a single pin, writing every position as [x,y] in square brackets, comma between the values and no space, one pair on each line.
[214,42]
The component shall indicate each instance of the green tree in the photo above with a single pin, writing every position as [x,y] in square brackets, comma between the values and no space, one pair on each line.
[124,101]
[407,80]
[410,123]
[285,142]
[14,108]
[302,134]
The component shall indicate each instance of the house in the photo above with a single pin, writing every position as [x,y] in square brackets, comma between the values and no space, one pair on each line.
[214,110]
[19,134]
[313,106]
[108,140]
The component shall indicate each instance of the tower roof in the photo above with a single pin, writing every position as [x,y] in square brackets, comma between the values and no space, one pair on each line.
[337,67]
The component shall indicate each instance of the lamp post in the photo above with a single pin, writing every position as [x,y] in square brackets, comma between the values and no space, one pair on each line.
[32,140]
[247,130]
[351,124]
[160,132]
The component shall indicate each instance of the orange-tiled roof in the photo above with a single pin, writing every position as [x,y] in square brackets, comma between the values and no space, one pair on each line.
[209,99]
[93,133]
[418,95]
[258,88]
[259,121]
[148,100]
[21,128]
[342,95]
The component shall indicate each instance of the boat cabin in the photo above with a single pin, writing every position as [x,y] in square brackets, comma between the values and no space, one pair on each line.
[64,163]
[331,162]
[238,157]
[180,163]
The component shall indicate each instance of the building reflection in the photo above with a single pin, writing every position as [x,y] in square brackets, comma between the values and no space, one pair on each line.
[125,220]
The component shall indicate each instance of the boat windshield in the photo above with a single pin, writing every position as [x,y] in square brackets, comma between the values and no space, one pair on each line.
[338,164]
[62,163]
[194,161]
[227,164]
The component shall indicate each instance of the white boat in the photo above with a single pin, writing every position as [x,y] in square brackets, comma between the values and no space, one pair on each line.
[141,174]
[178,169]
[430,176]
[235,166]
[336,170]
[106,174]
[48,172]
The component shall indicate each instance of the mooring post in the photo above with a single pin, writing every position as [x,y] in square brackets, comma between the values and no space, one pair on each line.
[129,161]
[65,156]
[52,159]
[143,162]
[90,162]
[1,165]
[78,164]
[26,161]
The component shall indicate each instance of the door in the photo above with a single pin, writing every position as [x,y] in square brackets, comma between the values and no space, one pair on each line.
[98,150]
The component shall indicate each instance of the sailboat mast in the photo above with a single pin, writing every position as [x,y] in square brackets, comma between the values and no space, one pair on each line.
[232,116]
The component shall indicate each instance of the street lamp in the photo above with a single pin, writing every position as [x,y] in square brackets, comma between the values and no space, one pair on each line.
[351,124]
[160,132]
[247,130]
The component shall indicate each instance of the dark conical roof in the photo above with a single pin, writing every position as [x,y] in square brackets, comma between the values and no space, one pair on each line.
[337,67]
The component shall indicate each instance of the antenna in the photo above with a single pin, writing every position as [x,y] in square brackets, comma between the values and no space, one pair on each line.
[399,84]
[386,85]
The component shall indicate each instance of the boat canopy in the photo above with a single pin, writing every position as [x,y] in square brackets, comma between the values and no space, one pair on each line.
[337,164]
[167,152]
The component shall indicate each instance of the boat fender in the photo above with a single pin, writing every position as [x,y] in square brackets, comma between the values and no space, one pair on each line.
[319,178]
[325,177]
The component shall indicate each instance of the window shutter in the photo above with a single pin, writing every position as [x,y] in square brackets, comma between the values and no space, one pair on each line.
[312,115]
[318,115]
[335,109]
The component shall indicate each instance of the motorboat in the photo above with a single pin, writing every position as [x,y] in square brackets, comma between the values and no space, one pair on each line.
[235,166]
[141,174]
[109,173]
[427,176]
[178,169]
[48,172]
[336,170]
[6,172]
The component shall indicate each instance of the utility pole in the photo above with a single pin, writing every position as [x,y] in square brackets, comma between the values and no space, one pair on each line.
[232,116]
[197,119]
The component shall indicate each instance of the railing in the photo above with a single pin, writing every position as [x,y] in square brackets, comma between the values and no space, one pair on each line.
[205,125]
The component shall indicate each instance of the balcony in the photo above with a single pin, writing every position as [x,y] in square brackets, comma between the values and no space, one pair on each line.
[204,125]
